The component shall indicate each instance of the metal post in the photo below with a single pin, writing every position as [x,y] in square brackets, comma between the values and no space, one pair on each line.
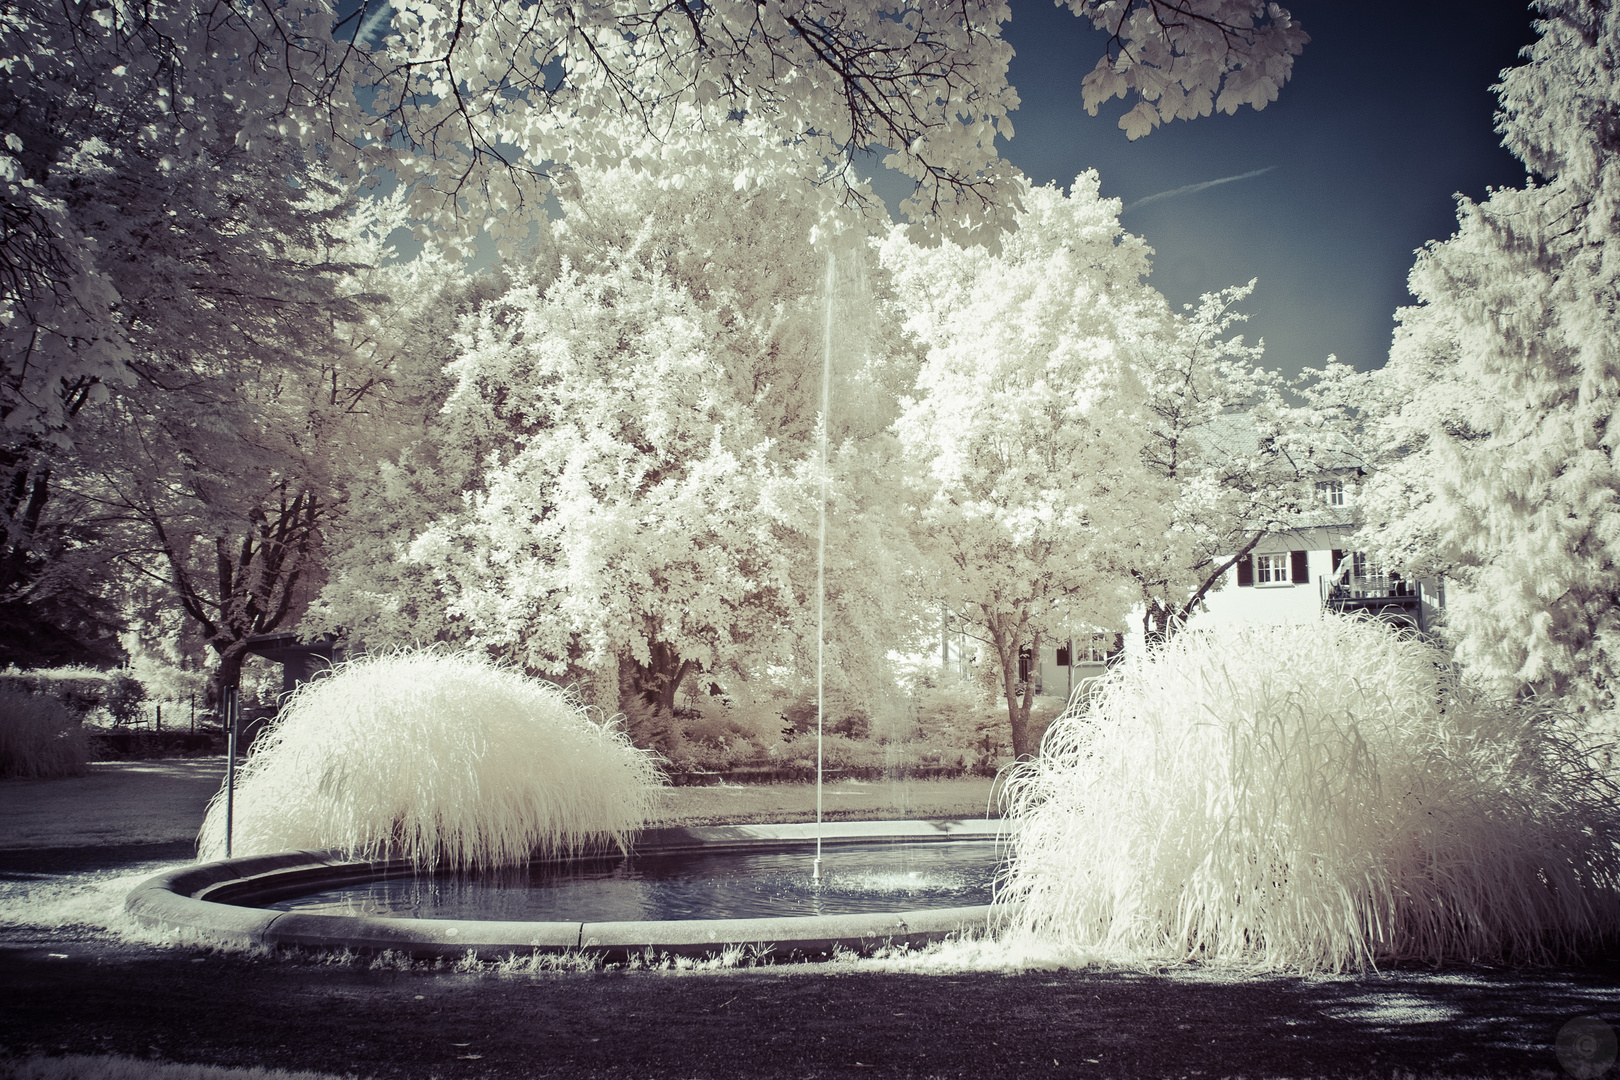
[160,717]
[230,707]
[1070,699]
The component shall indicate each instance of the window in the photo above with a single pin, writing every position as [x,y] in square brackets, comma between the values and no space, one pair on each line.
[1330,492]
[1087,650]
[1271,569]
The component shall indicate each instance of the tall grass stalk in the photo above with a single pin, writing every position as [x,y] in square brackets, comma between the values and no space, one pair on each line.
[40,737]
[1322,796]
[440,758]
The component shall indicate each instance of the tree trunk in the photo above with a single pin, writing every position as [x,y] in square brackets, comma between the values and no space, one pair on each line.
[1157,625]
[1162,620]
[657,681]
[1007,642]
[232,655]
[647,696]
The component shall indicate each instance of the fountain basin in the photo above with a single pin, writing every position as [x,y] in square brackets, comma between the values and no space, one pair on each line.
[216,902]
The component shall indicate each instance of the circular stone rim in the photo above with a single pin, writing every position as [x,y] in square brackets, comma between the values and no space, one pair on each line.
[206,903]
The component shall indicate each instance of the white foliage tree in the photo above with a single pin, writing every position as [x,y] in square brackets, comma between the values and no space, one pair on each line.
[1187,58]
[226,467]
[1218,467]
[482,107]
[635,515]
[1030,497]
[1501,388]
[621,479]
[1240,446]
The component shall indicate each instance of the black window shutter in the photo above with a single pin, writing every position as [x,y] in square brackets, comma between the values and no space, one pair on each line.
[1302,575]
[1245,567]
[1063,656]
[1338,557]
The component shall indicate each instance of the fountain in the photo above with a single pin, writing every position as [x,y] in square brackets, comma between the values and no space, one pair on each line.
[683,891]
[244,901]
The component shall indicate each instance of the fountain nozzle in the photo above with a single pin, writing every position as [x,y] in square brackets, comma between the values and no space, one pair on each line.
[815,871]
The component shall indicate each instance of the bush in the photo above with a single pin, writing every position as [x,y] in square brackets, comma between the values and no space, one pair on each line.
[81,690]
[713,740]
[954,711]
[39,737]
[844,716]
[123,698]
[1318,796]
[443,759]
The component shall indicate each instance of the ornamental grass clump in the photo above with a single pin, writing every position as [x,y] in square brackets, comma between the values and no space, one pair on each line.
[1318,797]
[40,737]
[440,758]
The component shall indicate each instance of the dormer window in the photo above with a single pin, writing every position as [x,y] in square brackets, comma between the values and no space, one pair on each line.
[1330,492]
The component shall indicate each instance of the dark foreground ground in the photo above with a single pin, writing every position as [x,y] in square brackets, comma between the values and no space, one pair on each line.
[87,992]
[826,1020]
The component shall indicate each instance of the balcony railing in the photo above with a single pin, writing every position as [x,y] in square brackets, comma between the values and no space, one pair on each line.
[1387,596]
[1374,586]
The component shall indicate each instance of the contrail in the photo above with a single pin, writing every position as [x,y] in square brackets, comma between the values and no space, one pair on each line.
[1190,188]
[378,18]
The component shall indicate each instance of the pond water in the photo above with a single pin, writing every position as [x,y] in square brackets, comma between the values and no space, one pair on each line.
[744,883]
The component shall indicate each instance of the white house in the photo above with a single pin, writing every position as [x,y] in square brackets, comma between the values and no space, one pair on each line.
[1291,576]
[1288,577]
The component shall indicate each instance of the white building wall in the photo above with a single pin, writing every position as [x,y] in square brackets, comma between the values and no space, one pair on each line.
[1274,602]
[1060,681]
[1267,603]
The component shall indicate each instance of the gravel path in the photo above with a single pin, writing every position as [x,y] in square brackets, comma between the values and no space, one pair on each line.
[67,987]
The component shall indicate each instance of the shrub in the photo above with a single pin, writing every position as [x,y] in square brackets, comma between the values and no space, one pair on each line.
[711,739]
[81,689]
[837,752]
[39,737]
[954,710]
[123,698]
[1318,796]
[844,716]
[440,758]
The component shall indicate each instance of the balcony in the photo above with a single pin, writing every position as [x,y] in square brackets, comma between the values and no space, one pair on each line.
[1384,596]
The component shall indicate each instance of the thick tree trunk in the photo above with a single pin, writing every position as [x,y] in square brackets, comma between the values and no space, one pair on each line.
[647,696]
[657,681]
[232,655]
[1158,626]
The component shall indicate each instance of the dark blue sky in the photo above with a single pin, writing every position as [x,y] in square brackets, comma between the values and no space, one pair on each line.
[1387,116]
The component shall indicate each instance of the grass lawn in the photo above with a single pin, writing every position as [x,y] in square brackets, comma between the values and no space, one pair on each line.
[162,802]
[847,800]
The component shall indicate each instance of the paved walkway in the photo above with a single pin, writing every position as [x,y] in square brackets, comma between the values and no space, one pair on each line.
[119,802]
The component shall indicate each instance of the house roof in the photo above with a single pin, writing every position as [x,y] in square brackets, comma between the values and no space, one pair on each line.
[1235,437]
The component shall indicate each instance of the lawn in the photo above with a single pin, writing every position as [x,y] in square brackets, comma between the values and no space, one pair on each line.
[162,802]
